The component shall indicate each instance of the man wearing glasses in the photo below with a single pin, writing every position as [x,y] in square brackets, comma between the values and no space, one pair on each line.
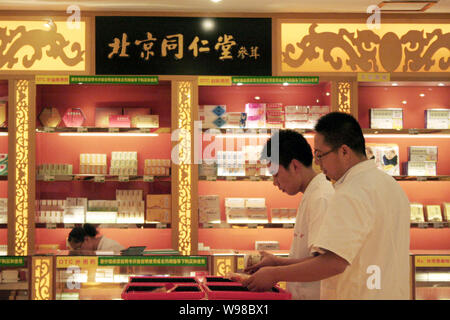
[363,241]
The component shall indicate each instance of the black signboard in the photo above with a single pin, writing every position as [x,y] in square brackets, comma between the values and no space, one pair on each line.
[183,46]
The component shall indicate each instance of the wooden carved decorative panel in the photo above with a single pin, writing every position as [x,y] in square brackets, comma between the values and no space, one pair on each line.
[354,48]
[35,45]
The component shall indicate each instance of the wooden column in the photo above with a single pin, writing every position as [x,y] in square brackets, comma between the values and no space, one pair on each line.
[21,166]
[184,170]
[344,96]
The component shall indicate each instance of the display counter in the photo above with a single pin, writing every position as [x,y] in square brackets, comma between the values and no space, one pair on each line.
[64,275]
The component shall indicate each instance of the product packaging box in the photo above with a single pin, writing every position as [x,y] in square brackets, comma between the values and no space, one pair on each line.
[213,116]
[446,211]
[267,245]
[208,201]
[49,117]
[3,169]
[74,117]
[3,158]
[296,116]
[235,120]
[119,121]
[417,214]
[146,121]
[159,201]
[209,215]
[437,119]
[386,118]
[207,169]
[159,215]
[102,116]
[134,113]
[256,115]
[315,113]
[3,115]
[423,153]
[274,115]
[386,157]
[421,168]
[434,213]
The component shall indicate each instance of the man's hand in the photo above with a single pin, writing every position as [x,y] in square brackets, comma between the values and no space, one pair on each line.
[262,280]
[267,260]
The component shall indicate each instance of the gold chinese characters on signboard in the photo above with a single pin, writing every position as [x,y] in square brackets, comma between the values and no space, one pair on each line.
[346,47]
[175,43]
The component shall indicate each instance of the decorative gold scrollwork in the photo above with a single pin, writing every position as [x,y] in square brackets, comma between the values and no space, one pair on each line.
[369,51]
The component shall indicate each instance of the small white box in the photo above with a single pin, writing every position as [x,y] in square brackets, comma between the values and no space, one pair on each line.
[423,153]
[437,119]
[421,168]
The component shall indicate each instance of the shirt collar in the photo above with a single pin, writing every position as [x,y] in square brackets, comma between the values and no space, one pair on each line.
[314,181]
[356,169]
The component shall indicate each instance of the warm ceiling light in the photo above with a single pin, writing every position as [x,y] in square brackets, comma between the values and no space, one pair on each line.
[106,134]
[208,24]
[395,84]
[404,102]
[327,94]
[257,98]
[215,1]
[285,84]
[440,84]
[422,95]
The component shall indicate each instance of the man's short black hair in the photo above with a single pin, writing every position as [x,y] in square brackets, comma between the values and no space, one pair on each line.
[340,128]
[292,145]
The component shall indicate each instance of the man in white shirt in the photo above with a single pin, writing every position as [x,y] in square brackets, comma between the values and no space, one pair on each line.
[364,236]
[293,173]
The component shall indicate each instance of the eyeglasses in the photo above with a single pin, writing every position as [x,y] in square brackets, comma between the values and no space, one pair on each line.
[320,156]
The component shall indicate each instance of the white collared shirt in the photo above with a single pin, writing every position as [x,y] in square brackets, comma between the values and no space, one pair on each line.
[107,244]
[309,216]
[367,224]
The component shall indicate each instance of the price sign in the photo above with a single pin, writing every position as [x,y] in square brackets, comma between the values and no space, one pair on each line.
[99,179]
[124,178]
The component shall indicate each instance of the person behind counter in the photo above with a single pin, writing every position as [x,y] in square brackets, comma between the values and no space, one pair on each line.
[87,238]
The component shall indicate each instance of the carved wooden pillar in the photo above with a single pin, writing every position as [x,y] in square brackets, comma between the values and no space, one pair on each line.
[184,171]
[21,167]
[344,96]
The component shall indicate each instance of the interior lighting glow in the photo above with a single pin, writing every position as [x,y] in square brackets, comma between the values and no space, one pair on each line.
[106,134]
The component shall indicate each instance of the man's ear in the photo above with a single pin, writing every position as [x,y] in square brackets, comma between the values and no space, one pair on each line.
[296,165]
[346,150]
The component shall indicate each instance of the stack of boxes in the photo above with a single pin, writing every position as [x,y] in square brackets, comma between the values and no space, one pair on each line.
[93,163]
[283,215]
[131,206]
[417,212]
[3,210]
[422,161]
[3,164]
[208,168]
[209,209]
[157,167]
[274,115]
[315,113]
[101,211]
[213,116]
[296,116]
[159,208]
[50,211]
[246,210]
[124,163]
[235,120]
[75,210]
[230,163]
[54,169]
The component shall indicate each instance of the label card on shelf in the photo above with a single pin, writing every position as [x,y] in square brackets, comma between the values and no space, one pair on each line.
[288,225]
[113,130]
[50,225]
[49,129]
[124,178]
[69,225]
[100,179]
[211,178]
[82,129]
[149,178]
[161,226]
[255,178]
[231,178]
[49,178]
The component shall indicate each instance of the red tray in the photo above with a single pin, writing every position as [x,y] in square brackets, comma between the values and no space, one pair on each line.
[235,291]
[179,291]
[218,280]
[159,279]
